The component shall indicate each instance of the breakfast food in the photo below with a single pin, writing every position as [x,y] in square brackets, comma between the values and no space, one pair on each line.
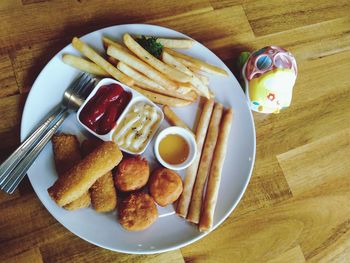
[100,61]
[66,155]
[173,119]
[207,214]
[132,174]
[137,212]
[165,186]
[191,172]
[137,126]
[207,154]
[77,180]
[174,149]
[102,111]
[103,193]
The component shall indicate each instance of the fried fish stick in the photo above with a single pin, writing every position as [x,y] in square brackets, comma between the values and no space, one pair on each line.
[204,165]
[66,155]
[191,172]
[211,195]
[77,180]
[103,193]
[173,119]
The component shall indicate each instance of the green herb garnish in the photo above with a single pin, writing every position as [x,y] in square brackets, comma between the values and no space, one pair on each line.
[151,45]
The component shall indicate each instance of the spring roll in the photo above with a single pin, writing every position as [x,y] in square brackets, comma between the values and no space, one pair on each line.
[66,155]
[185,198]
[207,214]
[77,180]
[103,193]
[204,165]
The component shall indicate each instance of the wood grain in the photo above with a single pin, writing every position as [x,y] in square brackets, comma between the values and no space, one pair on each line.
[296,207]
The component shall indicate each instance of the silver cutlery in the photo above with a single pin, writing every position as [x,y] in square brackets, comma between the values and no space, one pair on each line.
[15,167]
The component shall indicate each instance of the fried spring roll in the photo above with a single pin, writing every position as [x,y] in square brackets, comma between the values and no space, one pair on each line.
[211,195]
[204,165]
[77,180]
[67,154]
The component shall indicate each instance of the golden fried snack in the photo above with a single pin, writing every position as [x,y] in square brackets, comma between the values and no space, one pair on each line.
[137,212]
[77,180]
[67,154]
[191,172]
[165,186]
[103,193]
[132,174]
[211,195]
[204,165]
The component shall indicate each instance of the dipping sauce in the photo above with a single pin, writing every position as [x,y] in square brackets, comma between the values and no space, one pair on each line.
[174,149]
[135,130]
[104,108]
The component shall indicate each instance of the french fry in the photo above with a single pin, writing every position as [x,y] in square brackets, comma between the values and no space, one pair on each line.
[204,79]
[141,66]
[201,88]
[112,60]
[143,54]
[173,119]
[100,61]
[137,76]
[174,42]
[204,165]
[162,99]
[191,172]
[108,42]
[211,195]
[83,65]
[145,83]
[197,63]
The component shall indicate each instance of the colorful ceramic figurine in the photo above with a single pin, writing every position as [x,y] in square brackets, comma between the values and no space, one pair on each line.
[269,75]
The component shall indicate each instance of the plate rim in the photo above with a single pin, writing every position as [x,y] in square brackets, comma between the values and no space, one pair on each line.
[170,248]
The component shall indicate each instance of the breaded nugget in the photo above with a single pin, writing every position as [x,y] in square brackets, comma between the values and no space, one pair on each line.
[165,186]
[137,212]
[103,193]
[132,174]
[67,154]
[77,180]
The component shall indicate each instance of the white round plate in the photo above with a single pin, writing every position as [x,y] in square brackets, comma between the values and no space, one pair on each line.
[169,231]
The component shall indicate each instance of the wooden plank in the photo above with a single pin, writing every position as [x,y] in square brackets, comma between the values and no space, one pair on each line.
[288,14]
[294,255]
[8,85]
[32,255]
[74,249]
[320,166]
[10,112]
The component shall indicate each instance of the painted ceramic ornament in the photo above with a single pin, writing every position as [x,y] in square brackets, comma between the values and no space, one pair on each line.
[269,75]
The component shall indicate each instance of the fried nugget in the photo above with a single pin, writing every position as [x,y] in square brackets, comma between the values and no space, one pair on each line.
[67,154]
[165,186]
[132,174]
[137,212]
[103,193]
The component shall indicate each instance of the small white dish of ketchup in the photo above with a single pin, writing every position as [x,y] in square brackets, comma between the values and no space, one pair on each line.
[108,105]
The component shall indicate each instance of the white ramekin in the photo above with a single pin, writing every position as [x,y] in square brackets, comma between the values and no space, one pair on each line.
[191,141]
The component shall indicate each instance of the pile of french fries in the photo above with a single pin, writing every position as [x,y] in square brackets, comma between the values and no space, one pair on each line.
[174,80]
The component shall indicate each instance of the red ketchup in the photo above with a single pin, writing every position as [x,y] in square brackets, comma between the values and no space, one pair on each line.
[101,112]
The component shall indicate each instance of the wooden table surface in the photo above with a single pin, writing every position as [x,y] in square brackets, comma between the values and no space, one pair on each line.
[296,207]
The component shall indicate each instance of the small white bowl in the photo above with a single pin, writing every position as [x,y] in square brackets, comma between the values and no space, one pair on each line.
[191,141]
[136,97]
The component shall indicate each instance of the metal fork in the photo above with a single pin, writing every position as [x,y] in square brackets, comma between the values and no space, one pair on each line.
[15,167]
